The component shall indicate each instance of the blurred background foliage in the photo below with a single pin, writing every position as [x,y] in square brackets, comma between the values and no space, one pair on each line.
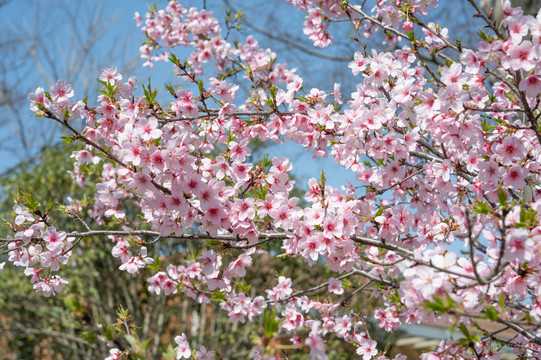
[69,326]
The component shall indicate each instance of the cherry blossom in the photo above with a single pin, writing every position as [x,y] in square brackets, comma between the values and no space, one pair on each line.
[438,221]
[114,354]
[183,348]
[335,286]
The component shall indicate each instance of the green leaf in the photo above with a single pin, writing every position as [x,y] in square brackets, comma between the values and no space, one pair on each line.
[30,203]
[107,332]
[486,126]
[266,161]
[501,301]
[89,336]
[175,60]
[411,36]
[522,215]
[270,324]
[395,297]
[483,35]
[261,192]
[108,89]
[452,329]
[273,90]
[171,90]
[50,205]
[67,139]
[491,313]
[42,108]
[134,342]
[145,344]
[437,305]
[150,95]
[243,287]
[122,313]
[482,208]
[464,330]
[169,353]
[201,86]
[218,296]
[156,265]
[502,196]
[451,303]
[323,180]
[528,317]
[249,72]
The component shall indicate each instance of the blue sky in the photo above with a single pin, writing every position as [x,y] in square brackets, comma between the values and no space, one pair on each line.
[117,19]
[119,46]
[44,32]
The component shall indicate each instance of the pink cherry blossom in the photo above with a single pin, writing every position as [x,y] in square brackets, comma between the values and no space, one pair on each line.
[54,240]
[531,85]
[441,204]
[237,267]
[367,349]
[183,349]
[511,149]
[114,354]
[515,177]
[22,214]
[335,286]
[110,75]
[61,93]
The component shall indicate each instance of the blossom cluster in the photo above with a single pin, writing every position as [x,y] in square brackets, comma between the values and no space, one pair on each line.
[444,156]
[41,260]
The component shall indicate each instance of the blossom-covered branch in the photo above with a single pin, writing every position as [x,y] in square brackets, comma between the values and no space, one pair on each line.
[444,158]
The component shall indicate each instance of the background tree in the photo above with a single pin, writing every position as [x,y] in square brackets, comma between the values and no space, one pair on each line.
[67,327]
[40,43]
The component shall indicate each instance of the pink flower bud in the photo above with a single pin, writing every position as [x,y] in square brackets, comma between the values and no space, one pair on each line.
[407,26]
